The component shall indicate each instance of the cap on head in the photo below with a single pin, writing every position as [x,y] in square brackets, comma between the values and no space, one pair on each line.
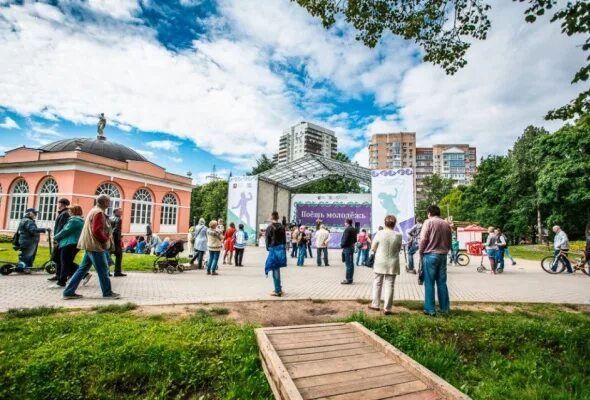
[32,211]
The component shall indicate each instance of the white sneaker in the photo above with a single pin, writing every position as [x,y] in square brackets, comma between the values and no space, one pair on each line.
[587,301]
[56,286]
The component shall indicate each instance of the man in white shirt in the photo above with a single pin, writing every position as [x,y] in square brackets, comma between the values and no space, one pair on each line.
[561,244]
[322,238]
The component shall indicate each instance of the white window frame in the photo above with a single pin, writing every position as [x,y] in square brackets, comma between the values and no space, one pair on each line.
[47,203]
[141,210]
[113,192]
[169,214]
[18,203]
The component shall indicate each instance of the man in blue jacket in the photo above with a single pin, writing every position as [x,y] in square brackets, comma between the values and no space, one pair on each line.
[28,240]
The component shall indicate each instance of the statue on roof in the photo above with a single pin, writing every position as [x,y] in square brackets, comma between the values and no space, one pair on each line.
[102,122]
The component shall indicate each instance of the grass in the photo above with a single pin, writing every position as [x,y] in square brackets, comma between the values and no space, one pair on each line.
[114,308]
[536,352]
[219,311]
[131,262]
[536,252]
[32,312]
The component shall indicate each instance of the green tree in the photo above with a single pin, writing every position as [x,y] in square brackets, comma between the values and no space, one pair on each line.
[524,165]
[262,164]
[453,204]
[445,28]
[209,201]
[435,187]
[563,183]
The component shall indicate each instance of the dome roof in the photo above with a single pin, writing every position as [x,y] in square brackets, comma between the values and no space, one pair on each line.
[99,147]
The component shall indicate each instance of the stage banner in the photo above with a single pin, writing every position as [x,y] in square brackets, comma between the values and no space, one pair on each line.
[392,192]
[331,210]
[242,201]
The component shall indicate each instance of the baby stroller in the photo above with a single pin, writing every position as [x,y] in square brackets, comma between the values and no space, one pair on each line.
[169,260]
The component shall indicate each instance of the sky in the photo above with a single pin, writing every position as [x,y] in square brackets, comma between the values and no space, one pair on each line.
[195,83]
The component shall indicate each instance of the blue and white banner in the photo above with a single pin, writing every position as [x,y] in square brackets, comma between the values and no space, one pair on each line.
[392,192]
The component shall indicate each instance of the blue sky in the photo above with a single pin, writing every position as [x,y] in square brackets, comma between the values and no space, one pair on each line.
[193,83]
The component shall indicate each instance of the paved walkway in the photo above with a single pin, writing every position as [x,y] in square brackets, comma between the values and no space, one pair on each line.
[525,282]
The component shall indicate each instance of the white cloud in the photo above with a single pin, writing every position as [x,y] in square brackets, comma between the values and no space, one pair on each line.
[176,160]
[9,123]
[362,157]
[167,145]
[119,9]
[203,177]
[147,154]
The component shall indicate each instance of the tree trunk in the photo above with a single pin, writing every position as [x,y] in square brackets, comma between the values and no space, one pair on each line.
[540,237]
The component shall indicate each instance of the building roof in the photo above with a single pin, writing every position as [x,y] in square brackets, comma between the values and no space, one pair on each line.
[453,150]
[311,168]
[99,147]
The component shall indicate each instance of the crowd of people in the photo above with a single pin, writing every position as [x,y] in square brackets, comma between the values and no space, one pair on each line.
[99,235]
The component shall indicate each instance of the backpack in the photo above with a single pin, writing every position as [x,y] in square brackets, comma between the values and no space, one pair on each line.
[16,238]
[241,238]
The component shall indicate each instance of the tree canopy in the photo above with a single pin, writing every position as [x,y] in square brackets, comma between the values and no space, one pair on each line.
[333,185]
[443,28]
[264,163]
[209,201]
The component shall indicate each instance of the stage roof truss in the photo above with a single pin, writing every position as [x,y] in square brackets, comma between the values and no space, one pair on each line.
[311,168]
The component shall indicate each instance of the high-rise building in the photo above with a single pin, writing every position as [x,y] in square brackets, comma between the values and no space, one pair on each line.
[306,138]
[392,150]
[398,150]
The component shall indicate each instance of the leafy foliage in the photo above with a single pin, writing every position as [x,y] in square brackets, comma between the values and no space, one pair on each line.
[262,164]
[209,201]
[332,184]
[444,28]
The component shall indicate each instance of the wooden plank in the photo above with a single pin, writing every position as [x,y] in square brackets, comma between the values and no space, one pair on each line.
[319,349]
[281,383]
[432,380]
[341,364]
[356,385]
[382,392]
[275,329]
[318,343]
[340,377]
[338,331]
[312,338]
[328,354]
[308,330]
[423,395]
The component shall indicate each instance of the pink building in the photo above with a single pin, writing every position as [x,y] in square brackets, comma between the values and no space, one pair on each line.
[79,170]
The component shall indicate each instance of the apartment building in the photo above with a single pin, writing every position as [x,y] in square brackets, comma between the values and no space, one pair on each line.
[306,138]
[398,150]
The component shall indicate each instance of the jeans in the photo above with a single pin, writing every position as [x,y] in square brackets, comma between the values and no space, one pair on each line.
[98,259]
[301,253]
[380,282]
[349,261]
[239,256]
[411,251]
[27,255]
[455,256]
[213,259]
[324,251]
[294,249]
[276,280]
[198,255]
[309,249]
[435,271]
[67,254]
[500,258]
[564,259]
[362,257]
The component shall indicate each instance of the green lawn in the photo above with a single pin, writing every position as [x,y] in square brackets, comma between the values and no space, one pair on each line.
[538,252]
[536,352]
[131,262]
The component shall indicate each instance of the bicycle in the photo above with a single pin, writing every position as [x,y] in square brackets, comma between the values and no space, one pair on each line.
[462,259]
[556,264]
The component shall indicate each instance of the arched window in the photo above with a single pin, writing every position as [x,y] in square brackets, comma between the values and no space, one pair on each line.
[19,197]
[47,203]
[141,210]
[113,192]
[169,214]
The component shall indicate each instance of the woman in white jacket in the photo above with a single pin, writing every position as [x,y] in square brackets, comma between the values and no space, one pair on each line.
[200,243]
[386,246]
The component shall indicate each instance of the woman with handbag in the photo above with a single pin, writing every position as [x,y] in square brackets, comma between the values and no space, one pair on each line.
[386,246]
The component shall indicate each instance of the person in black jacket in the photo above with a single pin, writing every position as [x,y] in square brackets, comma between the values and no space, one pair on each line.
[60,221]
[347,244]
[116,223]
[275,245]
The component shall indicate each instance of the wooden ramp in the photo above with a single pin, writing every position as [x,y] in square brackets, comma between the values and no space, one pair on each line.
[344,362]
